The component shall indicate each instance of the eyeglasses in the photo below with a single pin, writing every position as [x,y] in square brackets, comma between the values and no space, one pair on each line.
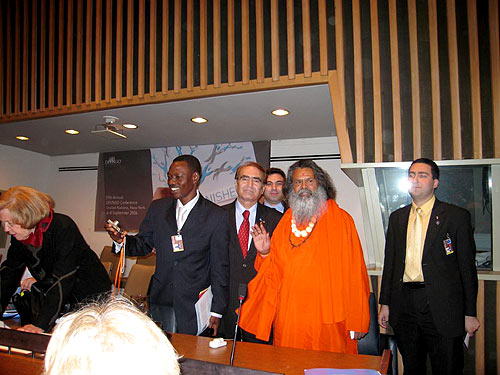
[246,179]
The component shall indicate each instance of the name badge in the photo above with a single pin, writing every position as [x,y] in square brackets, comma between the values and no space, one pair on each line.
[177,243]
[448,246]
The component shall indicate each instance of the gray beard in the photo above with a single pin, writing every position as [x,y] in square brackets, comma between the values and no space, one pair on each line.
[304,208]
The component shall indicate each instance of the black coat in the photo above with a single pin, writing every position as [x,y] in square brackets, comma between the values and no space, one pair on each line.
[180,277]
[450,280]
[242,269]
[64,257]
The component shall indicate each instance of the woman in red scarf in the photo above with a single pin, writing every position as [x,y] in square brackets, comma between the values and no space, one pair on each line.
[54,251]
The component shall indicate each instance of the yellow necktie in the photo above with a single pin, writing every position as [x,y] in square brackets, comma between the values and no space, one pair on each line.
[414,257]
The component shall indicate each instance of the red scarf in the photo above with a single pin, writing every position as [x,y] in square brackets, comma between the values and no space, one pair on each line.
[35,239]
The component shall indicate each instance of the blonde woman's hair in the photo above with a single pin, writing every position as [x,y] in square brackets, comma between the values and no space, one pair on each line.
[109,338]
[27,206]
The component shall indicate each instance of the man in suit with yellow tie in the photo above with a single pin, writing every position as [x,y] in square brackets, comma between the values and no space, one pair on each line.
[429,283]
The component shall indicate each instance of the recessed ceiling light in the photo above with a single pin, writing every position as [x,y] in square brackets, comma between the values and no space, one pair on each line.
[130,126]
[22,138]
[280,112]
[72,131]
[199,120]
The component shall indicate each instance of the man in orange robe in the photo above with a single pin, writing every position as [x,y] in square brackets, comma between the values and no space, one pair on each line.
[312,285]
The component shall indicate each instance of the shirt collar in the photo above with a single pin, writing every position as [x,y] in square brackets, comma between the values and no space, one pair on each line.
[278,206]
[240,208]
[189,205]
[426,207]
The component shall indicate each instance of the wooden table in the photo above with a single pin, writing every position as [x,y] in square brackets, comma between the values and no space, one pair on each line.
[270,358]
[274,359]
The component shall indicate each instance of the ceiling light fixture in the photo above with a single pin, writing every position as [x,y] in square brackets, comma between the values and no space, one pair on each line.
[280,112]
[72,131]
[22,138]
[130,126]
[199,120]
[108,129]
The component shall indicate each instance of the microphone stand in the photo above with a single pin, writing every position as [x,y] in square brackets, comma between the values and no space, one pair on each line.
[242,291]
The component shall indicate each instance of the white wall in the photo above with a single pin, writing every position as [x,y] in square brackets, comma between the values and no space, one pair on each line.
[19,167]
[75,194]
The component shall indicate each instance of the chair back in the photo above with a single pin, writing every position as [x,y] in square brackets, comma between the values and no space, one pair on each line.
[370,344]
[138,280]
[149,260]
[107,255]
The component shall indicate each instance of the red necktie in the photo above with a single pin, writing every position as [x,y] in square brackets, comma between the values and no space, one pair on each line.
[244,232]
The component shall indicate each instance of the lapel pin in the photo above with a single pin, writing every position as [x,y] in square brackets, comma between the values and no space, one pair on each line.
[437,220]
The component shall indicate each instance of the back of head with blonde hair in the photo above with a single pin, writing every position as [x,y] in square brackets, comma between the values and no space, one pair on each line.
[27,206]
[107,338]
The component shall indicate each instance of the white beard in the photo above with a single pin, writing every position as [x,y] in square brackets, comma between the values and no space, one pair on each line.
[304,208]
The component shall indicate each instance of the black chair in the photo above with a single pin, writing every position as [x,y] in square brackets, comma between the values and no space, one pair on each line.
[370,344]
[374,343]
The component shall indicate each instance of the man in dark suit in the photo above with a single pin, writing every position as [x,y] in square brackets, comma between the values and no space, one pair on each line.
[249,184]
[429,282]
[190,235]
[274,196]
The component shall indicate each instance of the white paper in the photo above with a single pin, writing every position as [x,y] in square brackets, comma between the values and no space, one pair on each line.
[466,340]
[203,307]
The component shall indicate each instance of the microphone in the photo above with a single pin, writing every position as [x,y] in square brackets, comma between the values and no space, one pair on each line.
[242,292]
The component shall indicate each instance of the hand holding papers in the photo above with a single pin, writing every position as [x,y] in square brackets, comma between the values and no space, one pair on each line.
[202,308]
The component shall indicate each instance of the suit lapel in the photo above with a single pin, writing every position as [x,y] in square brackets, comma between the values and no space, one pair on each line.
[232,218]
[435,223]
[170,215]
[405,216]
[196,217]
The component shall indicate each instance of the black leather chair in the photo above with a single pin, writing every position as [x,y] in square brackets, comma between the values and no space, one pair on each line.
[370,344]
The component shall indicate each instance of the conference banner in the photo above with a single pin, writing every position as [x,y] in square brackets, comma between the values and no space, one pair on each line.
[129,180]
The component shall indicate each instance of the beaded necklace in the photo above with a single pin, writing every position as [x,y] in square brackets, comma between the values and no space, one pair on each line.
[305,233]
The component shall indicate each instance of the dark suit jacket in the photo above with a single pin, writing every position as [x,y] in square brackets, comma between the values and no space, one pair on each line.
[242,269]
[450,280]
[180,276]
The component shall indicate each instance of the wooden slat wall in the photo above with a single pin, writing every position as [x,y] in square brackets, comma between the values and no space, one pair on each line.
[79,53]
[17,73]
[203,45]
[474,78]
[396,92]
[67,53]
[435,90]
[119,50]
[152,48]
[495,70]
[141,49]
[377,91]
[454,83]
[189,45]
[107,70]
[25,60]
[290,32]
[43,10]
[358,82]
[130,51]
[98,53]
[415,84]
